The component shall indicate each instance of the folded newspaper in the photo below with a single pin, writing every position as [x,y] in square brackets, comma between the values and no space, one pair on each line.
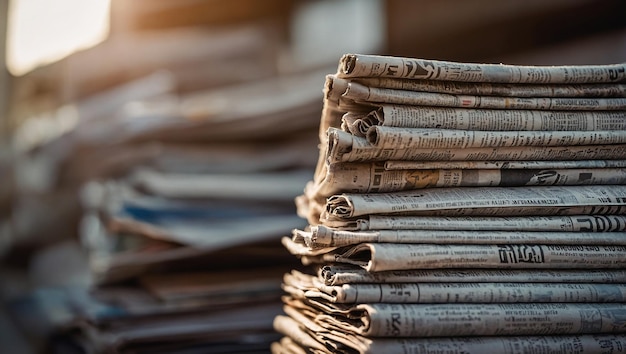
[185,194]
[463,208]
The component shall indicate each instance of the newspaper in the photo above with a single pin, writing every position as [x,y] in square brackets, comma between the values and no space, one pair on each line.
[219,114]
[262,186]
[330,117]
[288,346]
[344,147]
[205,235]
[359,65]
[243,328]
[494,89]
[407,138]
[415,236]
[291,328]
[335,105]
[310,209]
[200,223]
[489,165]
[363,94]
[575,223]
[481,119]
[431,293]
[433,320]
[357,124]
[537,200]
[301,250]
[486,119]
[376,257]
[325,341]
[373,177]
[339,274]
[321,236]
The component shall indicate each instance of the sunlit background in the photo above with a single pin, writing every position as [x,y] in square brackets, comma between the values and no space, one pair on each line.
[40,32]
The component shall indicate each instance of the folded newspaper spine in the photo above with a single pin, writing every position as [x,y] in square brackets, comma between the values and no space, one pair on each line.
[463,208]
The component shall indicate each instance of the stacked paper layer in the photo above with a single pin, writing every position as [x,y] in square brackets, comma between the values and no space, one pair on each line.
[184,202]
[463,208]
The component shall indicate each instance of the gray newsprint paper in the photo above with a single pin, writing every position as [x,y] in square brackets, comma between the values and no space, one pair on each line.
[438,228]
[362,94]
[502,165]
[339,274]
[575,223]
[481,119]
[305,333]
[374,177]
[485,201]
[321,236]
[495,89]
[326,341]
[307,286]
[376,257]
[432,320]
[407,138]
[484,119]
[358,65]
[345,147]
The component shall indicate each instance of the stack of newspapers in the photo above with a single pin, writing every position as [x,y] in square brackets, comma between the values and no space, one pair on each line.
[463,208]
[184,200]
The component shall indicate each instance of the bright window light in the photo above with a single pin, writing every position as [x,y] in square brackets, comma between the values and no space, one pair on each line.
[43,31]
